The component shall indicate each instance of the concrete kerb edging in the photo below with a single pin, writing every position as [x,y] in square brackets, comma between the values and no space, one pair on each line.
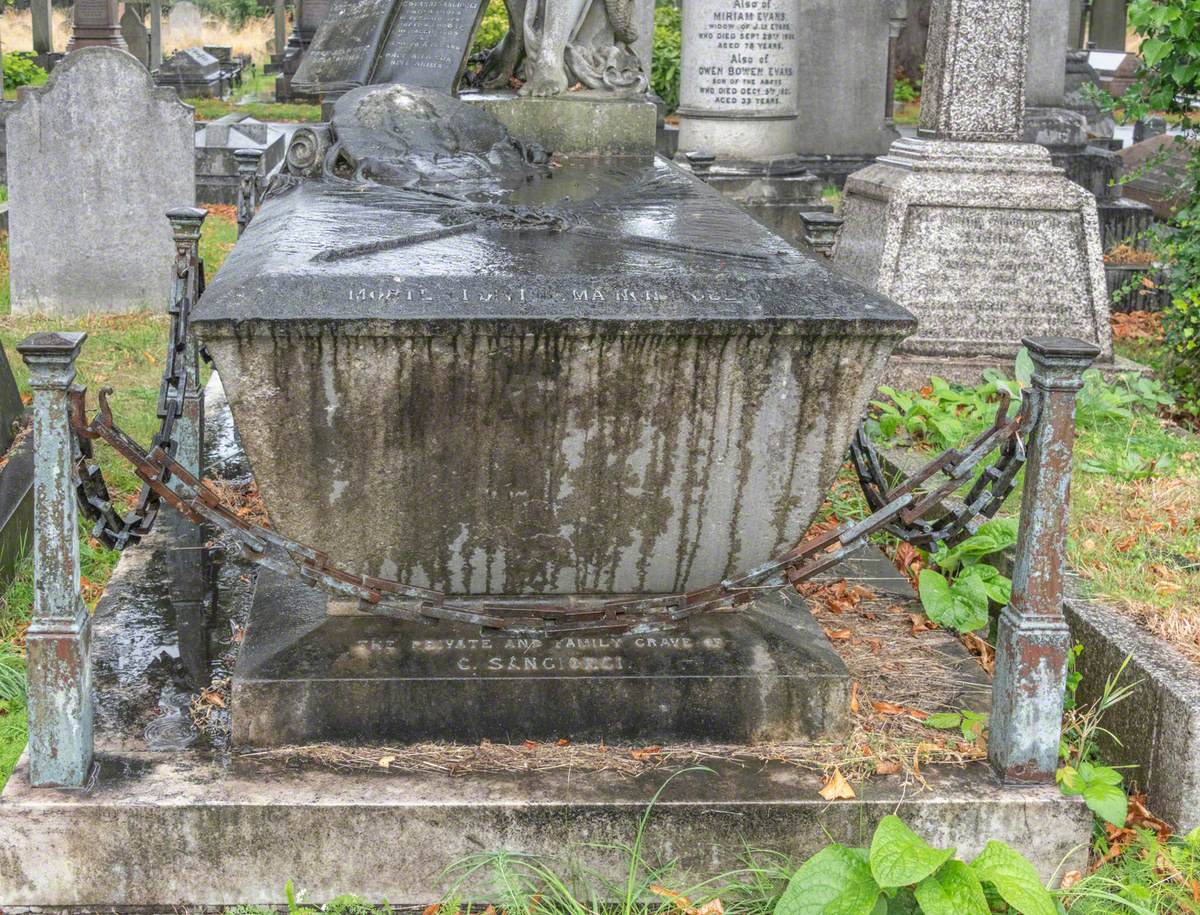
[1156,731]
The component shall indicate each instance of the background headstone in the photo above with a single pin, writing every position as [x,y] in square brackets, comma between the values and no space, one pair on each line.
[974,231]
[843,74]
[96,157]
[1108,25]
[43,28]
[95,24]
[156,29]
[193,73]
[137,39]
[185,25]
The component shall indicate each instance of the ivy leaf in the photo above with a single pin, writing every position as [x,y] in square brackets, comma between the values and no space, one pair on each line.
[1153,50]
[900,857]
[1014,879]
[953,890]
[1107,801]
[834,881]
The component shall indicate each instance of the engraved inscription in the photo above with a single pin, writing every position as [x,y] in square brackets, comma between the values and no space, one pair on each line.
[571,654]
[744,58]
[977,275]
[429,42]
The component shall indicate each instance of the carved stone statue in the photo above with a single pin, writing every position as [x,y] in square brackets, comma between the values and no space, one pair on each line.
[554,44]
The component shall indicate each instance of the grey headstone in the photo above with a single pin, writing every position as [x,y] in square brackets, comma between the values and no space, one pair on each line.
[137,38]
[43,27]
[417,43]
[192,72]
[184,25]
[1048,44]
[843,75]
[738,90]
[96,157]
[1108,25]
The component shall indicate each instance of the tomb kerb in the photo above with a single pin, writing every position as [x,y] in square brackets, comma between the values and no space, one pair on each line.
[479,365]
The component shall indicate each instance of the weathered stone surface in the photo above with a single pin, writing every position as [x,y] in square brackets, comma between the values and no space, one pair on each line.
[843,75]
[584,123]
[185,29]
[650,396]
[1049,40]
[1158,727]
[193,73]
[217,141]
[171,829]
[738,84]
[1109,24]
[985,243]
[1160,165]
[974,86]
[96,154]
[304,676]
[137,39]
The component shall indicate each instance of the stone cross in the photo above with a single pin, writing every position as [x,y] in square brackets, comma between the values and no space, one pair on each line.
[974,85]
[96,23]
[1033,640]
[59,637]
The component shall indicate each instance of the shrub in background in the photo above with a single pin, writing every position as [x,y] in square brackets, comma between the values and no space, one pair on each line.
[20,70]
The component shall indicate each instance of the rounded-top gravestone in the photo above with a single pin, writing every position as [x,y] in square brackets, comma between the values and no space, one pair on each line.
[96,157]
[184,25]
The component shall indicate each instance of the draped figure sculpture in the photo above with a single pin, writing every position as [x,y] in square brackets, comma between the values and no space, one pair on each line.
[554,44]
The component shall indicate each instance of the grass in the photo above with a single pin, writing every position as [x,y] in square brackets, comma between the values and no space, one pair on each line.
[126,352]
[262,86]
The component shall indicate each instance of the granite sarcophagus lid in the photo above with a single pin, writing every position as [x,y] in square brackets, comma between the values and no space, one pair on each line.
[455,363]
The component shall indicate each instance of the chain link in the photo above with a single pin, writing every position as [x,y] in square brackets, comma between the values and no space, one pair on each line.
[902,510]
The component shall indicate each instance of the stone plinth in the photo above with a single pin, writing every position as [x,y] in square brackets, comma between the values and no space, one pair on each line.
[985,242]
[96,154]
[584,123]
[766,673]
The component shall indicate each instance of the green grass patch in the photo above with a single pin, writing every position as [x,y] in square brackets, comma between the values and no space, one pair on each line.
[258,94]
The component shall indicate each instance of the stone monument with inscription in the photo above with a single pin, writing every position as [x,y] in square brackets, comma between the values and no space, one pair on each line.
[458,365]
[739,104]
[978,234]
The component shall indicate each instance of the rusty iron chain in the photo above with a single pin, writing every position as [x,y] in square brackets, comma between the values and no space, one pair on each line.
[900,509]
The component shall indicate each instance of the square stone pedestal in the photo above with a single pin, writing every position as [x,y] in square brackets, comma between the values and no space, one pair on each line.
[985,243]
[304,676]
[585,123]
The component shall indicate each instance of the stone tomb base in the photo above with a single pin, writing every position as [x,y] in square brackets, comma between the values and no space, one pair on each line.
[765,674]
[985,243]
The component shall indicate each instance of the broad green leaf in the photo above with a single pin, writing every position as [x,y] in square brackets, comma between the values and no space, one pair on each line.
[1153,50]
[953,890]
[1023,369]
[945,721]
[935,594]
[1014,879]
[962,606]
[1103,774]
[1070,781]
[1107,801]
[997,585]
[900,857]
[834,881]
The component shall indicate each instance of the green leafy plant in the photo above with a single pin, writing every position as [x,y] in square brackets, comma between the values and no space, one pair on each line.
[905,91]
[900,872]
[959,596]
[491,28]
[668,43]
[20,70]
[1081,774]
[972,725]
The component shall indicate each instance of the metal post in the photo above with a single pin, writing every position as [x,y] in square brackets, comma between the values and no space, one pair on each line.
[155,34]
[186,223]
[58,640]
[247,197]
[1033,640]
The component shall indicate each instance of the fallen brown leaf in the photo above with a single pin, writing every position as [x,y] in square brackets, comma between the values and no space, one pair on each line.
[837,788]
[646,753]
[854,707]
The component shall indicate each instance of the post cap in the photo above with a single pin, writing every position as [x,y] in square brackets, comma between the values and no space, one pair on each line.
[247,155]
[64,344]
[1051,348]
[186,214]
